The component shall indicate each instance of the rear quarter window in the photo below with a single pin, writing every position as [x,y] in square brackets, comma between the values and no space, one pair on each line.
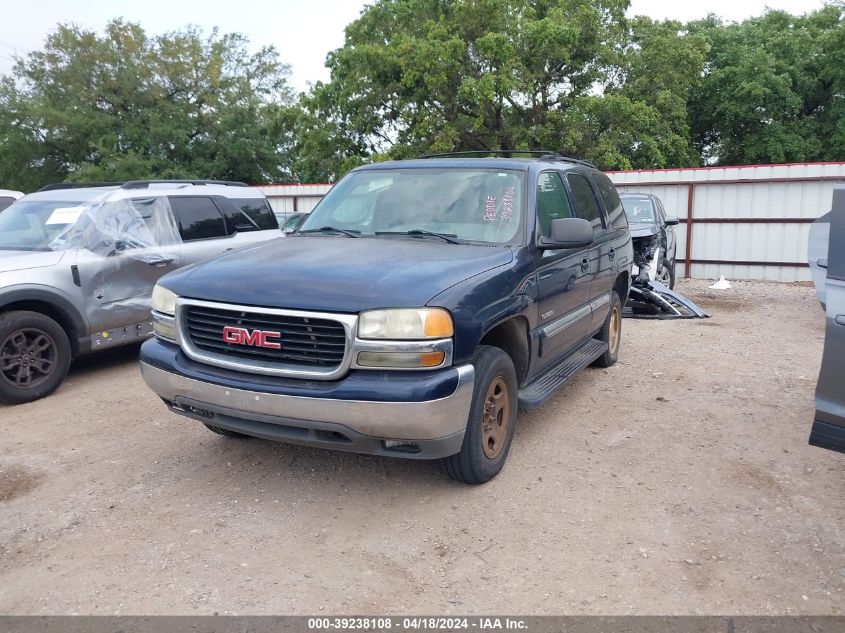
[615,211]
[259,211]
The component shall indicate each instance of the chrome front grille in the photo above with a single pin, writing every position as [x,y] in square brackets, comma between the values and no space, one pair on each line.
[298,343]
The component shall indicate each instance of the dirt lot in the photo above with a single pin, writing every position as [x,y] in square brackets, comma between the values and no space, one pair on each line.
[679,481]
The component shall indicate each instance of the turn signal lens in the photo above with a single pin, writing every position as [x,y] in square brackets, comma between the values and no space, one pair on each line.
[402,360]
[438,324]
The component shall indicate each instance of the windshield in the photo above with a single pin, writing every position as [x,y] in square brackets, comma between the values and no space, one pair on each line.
[33,225]
[475,205]
[638,210]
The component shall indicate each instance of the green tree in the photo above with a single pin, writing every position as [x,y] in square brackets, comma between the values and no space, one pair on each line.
[773,89]
[418,76]
[125,105]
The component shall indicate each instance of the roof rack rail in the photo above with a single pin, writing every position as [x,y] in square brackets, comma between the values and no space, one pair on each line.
[143,184]
[53,186]
[506,153]
[139,184]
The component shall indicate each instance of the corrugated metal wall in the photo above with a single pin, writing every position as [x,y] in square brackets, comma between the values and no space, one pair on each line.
[748,222]
[294,198]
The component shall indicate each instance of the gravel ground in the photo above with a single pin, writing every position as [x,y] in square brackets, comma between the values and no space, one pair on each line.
[678,481]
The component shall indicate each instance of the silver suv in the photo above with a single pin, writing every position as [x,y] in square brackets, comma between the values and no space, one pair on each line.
[78,265]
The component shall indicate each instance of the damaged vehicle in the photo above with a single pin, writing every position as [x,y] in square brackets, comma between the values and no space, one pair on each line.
[655,247]
[649,222]
[78,265]
[826,255]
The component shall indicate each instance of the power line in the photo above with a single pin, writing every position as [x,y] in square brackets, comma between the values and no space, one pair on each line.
[13,47]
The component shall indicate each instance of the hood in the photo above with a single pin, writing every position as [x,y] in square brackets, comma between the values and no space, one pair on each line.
[336,274]
[644,229]
[23,260]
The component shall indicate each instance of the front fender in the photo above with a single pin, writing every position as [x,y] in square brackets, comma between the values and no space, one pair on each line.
[58,300]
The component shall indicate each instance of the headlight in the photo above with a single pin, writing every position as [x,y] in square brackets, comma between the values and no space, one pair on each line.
[164,300]
[416,323]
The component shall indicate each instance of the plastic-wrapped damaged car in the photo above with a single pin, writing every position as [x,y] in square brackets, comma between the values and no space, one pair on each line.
[78,265]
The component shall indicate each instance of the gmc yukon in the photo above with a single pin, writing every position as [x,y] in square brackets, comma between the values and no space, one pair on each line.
[418,307]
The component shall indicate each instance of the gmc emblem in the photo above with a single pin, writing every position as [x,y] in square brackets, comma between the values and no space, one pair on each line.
[256,338]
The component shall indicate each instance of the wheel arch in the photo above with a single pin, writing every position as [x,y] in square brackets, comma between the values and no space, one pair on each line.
[52,305]
[622,285]
[511,336]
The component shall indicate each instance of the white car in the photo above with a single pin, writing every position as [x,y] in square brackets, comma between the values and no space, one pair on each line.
[78,264]
[8,196]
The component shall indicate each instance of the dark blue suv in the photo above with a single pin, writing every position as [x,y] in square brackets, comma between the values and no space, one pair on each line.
[419,306]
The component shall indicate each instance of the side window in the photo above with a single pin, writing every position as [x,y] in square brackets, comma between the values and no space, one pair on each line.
[259,211]
[198,218]
[586,206]
[661,210]
[552,202]
[236,220]
[5,202]
[615,212]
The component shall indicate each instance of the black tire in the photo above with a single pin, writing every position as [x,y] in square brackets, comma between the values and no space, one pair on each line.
[670,269]
[226,432]
[485,447]
[610,333]
[34,356]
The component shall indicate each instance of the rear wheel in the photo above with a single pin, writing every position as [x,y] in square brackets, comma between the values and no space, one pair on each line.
[34,356]
[492,420]
[611,333]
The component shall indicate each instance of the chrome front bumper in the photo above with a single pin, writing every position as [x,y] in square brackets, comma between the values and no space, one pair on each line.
[435,426]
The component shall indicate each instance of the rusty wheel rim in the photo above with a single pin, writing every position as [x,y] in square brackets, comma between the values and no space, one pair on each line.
[614,330]
[28,357]
[496,417]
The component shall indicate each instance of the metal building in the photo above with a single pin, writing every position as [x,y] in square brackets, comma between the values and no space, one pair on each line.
[748,222]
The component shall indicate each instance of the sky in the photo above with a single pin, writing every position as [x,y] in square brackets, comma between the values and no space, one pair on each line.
[303,31]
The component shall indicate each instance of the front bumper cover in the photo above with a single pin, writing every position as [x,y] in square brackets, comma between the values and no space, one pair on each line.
[435,427]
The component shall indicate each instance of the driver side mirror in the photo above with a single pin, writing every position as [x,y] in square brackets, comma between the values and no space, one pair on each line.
[672,221]
[568,233]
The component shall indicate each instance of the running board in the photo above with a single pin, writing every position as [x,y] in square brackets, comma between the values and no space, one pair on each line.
[538,391]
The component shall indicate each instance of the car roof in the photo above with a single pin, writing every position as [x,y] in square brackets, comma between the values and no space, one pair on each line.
[84,194]
[10,193]
[515,164]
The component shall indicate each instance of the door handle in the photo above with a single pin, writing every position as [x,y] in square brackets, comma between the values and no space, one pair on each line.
[585,264]
[161,262]
[612,253]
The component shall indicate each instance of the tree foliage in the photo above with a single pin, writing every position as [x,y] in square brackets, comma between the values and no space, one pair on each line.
[124,105]
[577,76]
[427,76]
[772,91]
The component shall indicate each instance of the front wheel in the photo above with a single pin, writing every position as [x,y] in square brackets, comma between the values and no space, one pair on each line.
[492,419]
[34,356]
[611,333]
[666,274]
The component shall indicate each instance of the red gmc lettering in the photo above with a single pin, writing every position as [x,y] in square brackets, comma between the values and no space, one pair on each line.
[255,338]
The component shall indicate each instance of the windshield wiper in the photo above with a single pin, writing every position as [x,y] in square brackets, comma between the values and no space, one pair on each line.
[446,237]
[332,229]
